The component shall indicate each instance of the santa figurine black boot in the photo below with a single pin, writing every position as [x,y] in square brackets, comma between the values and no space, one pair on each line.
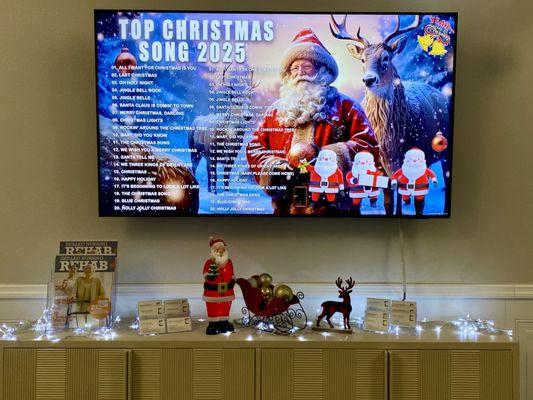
[212,328]
[228,326]
[220,327]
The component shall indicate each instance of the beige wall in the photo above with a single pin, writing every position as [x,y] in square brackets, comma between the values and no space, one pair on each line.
[49,171]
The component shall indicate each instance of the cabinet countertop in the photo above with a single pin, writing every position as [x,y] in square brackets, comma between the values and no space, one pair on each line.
[251,338]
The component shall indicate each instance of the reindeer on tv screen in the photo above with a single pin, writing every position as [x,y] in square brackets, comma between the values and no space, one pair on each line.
[402,114]
[218,137]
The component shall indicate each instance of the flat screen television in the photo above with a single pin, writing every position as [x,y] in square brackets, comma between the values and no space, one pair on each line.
[279,114]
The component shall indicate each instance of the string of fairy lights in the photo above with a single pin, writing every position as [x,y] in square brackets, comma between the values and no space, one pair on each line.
[40,329]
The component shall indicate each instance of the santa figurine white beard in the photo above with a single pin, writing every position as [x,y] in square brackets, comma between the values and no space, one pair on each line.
[326,164]
[363,161]
[414,166]
[220,259]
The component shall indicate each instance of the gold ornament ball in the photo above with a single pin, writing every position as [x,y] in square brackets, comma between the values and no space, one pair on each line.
[265,280]
[267,292]
[253,282]
[283,292]
[439,142]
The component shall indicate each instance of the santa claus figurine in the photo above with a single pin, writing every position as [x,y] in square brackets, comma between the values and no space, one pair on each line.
[219,281]
[363,163]
[413,179]
[326,177]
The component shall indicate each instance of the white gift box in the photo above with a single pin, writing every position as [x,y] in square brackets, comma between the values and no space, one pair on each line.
[179,324]
[373,180]
[176,308]
[150,309]
[376,324]
[151,326]
[373,304]
[403,314]
[403,319]
[376,315]
[406,306]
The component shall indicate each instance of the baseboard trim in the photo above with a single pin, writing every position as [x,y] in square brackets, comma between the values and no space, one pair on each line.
[311,290]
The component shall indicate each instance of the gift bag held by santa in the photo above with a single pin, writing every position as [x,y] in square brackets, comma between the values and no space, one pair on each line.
[219,281]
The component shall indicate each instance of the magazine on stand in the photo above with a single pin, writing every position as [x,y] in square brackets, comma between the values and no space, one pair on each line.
[83,290]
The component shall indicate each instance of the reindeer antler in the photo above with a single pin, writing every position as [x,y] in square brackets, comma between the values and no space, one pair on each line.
[416,23]
[228,85]
[253,84]
[338,282]
[350,282]
[340,32]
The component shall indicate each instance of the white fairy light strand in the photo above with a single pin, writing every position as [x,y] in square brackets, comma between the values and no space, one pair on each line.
[41,329]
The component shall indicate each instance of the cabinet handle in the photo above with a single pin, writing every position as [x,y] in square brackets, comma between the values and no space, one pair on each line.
[387,375]
[128,374]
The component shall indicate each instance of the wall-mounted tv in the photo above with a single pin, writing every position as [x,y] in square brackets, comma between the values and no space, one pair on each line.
[281,114]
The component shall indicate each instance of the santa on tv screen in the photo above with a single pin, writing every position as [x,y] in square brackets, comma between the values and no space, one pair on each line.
[274,114]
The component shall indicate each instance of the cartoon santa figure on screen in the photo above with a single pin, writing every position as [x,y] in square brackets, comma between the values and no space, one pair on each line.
[363,163]
[219,281]
[326,176]
[413,179]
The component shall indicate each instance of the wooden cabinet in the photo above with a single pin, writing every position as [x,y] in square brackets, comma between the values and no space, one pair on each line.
[154,374]
[247,366]
[323,374]
[192,374]
[451,374]
[59,374]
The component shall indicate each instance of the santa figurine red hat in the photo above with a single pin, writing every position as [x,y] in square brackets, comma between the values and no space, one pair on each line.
[306,45]
[213,241]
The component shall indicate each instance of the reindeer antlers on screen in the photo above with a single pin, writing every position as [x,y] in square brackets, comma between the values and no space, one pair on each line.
[228,85]
[397,31]
[340,32]
[251,84]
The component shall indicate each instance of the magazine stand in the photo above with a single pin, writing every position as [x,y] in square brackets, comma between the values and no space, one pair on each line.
[75,314]
[94,309]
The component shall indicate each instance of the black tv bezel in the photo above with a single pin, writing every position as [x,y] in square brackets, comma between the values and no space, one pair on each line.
[448,194]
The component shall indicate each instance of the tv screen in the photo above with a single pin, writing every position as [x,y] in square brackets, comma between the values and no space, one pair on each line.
[283,114]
